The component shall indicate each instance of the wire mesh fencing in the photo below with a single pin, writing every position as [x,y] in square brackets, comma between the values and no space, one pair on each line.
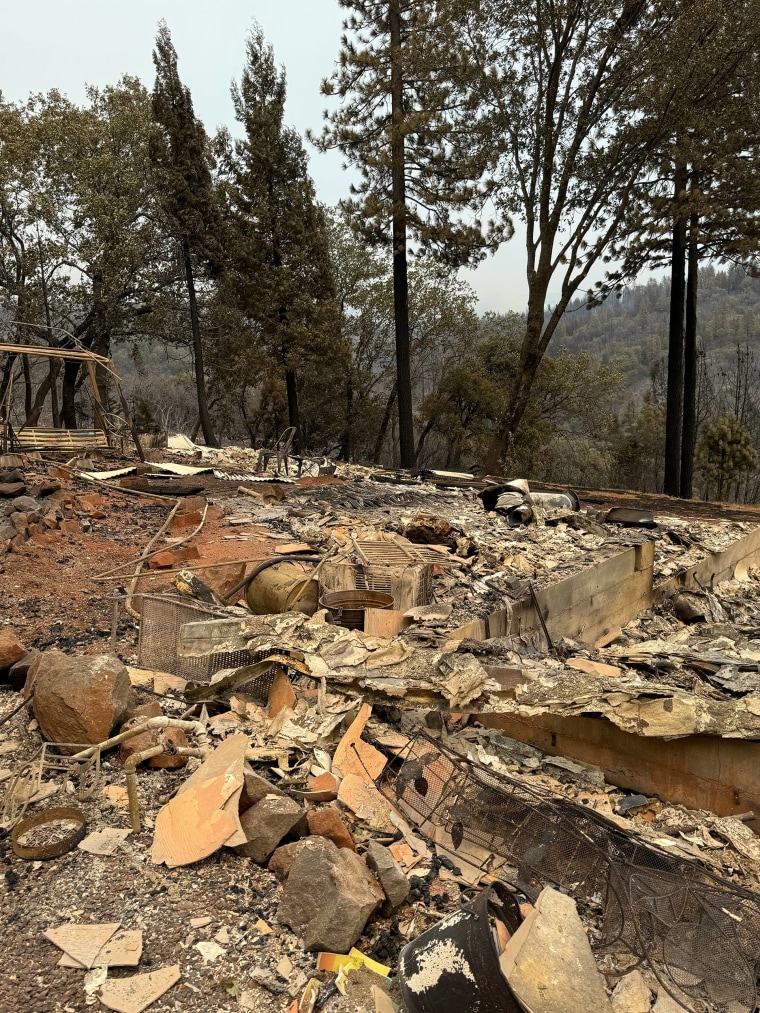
[699,933]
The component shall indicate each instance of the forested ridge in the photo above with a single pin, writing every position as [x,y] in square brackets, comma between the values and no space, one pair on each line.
[623,136]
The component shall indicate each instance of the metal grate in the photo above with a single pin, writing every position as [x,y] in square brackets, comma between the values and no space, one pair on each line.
[387,553]
[161,617]
[409,586]
[699,933]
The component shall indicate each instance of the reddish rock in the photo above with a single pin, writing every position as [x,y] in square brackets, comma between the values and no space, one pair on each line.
[282,860]
[11,649]
[146,740]
[79,700]
[161,560]
[327,823]
[191,520]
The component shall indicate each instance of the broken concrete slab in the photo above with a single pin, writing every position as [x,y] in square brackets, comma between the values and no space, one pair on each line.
[548,961]
[79,699]
[135,994]
[328,897]
[265,824]
[631,994]
[203,816]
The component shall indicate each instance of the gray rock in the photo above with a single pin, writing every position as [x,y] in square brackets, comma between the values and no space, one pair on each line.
[391,875]
[26,505]
[265,824]
[255,788]
[328,897]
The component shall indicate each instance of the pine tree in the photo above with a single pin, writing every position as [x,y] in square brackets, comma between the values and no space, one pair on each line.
[180,156]
[282,276]
[405,102]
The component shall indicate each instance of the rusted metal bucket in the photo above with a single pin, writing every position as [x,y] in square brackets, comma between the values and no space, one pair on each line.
[348,607]
[454,966]
[276,589]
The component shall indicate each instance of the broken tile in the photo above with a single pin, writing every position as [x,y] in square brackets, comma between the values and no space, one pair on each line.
[82,942]
[209,950]
[280,695]
[135,994]
[366,802]
[200,923]
[104,842]
[262,927]
[203,816]
[353,755]
[123,949]
[285,968]
[116,795]
[594,667]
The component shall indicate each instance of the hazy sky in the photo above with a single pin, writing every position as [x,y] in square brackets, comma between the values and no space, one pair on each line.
[51,43]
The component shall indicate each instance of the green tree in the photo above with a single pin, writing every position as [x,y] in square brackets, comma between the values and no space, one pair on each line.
[182,171]
[281,275]
[402,122]
[724,454]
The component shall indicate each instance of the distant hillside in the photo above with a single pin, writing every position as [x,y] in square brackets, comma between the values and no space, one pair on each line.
[632,332]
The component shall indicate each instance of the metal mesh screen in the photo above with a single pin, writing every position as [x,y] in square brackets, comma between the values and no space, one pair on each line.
[699,933]
[161,617]
[409,586]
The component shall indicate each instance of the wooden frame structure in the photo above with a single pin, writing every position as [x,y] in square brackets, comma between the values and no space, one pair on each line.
[69,440]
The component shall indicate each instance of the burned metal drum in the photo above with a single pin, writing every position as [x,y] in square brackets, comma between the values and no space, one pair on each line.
[454,966]
[276,589]
[348,607]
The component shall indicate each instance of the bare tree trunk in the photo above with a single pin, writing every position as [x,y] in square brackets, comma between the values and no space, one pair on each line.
[400,278]
[68,393]
[689,431]
[674,409]
[200,375]
[384,427]
[294,416]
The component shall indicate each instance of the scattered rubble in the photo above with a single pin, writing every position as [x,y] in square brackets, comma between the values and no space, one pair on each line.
[324,809]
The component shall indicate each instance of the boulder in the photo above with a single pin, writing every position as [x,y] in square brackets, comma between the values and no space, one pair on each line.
[327,823]
[328,897]
[11,648]
[79,700]
[153,737]
[392,879]
[265,824]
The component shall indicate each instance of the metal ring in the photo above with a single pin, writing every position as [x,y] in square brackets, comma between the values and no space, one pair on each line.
[49,816]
